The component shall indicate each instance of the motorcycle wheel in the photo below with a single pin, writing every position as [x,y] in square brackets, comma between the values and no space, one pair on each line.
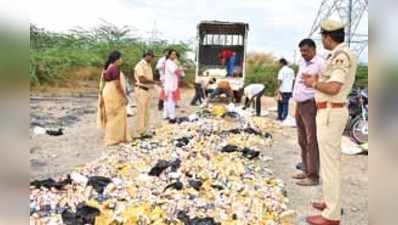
[359,130]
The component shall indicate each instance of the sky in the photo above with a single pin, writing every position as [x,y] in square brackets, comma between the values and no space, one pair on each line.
[276,26]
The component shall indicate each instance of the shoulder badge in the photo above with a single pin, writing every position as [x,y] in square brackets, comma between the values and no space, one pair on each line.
[341,60]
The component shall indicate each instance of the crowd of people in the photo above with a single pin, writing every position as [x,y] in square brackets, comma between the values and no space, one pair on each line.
[113,97]
[319,89]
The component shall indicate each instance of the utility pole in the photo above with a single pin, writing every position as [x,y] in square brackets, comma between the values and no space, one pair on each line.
[294,56]
[349,27]
[154,33]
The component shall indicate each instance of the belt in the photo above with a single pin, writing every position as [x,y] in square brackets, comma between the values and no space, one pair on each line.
[306,101]
[143,88]
[333,105]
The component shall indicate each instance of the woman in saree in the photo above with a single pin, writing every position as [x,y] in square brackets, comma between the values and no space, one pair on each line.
[171,77]
[112,113]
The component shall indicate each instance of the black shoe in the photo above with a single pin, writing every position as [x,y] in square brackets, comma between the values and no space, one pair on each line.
[173,121]
[300,166]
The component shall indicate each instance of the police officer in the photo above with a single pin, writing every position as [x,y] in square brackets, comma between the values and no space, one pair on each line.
[332,88]
[144,82]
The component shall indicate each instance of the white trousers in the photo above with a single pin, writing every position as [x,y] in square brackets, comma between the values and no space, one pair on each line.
[169,109]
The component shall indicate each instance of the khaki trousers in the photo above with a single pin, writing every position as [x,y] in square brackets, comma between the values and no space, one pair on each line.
[143,99]
[330,128]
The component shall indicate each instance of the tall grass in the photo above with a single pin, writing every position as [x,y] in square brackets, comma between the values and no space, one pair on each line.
[59,57]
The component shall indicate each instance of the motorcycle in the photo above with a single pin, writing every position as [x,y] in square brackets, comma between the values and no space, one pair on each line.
[357,126]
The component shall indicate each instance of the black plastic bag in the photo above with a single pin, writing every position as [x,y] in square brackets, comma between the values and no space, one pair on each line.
[181,142]
[230,148]
[146,136]
[87,213]
[234,131]
[196,184]
[233,115]
[203,221]
[183,217]
[99,183]
[188,174]
[51,183]
[69,218]
[47,183]
[160,166]
[175,165]
[250,130]
[250,154]
[84,215]
[182,119]
[268,135]
[217,187]
[58,132]
[176,185]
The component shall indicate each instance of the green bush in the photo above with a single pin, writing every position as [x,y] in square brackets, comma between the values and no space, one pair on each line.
[265,74]
[268,74]
[54,55]
[362,76]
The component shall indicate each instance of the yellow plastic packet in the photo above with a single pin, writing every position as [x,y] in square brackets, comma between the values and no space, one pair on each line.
[218,110]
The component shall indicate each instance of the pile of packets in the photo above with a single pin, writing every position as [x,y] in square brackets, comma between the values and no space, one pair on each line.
[204,170]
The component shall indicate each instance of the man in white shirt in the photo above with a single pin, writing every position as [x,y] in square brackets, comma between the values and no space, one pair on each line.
[251,92]
[286,80]
[160,71]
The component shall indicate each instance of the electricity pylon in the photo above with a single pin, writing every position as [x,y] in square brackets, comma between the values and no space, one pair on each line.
[350,12]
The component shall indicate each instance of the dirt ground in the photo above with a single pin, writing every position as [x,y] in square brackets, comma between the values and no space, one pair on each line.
[82,142]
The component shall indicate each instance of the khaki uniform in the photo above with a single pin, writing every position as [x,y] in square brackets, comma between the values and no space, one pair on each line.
[143,97]
[341,67]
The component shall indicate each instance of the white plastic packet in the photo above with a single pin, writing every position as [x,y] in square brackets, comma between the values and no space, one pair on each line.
[349,147]
[193,117]
[39,130]
[231,107]
[130,111]
[79,179]
[289,122]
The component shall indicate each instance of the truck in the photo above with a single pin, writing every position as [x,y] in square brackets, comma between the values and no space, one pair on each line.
[212,38]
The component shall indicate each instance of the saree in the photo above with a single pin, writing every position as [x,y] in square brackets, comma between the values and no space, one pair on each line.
[111,111]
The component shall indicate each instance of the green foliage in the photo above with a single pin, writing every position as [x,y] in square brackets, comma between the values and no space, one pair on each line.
[54,55]
[267,74]
[263,68]
[362,76]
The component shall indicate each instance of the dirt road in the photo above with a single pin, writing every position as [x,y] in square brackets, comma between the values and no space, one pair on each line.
[82,142]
